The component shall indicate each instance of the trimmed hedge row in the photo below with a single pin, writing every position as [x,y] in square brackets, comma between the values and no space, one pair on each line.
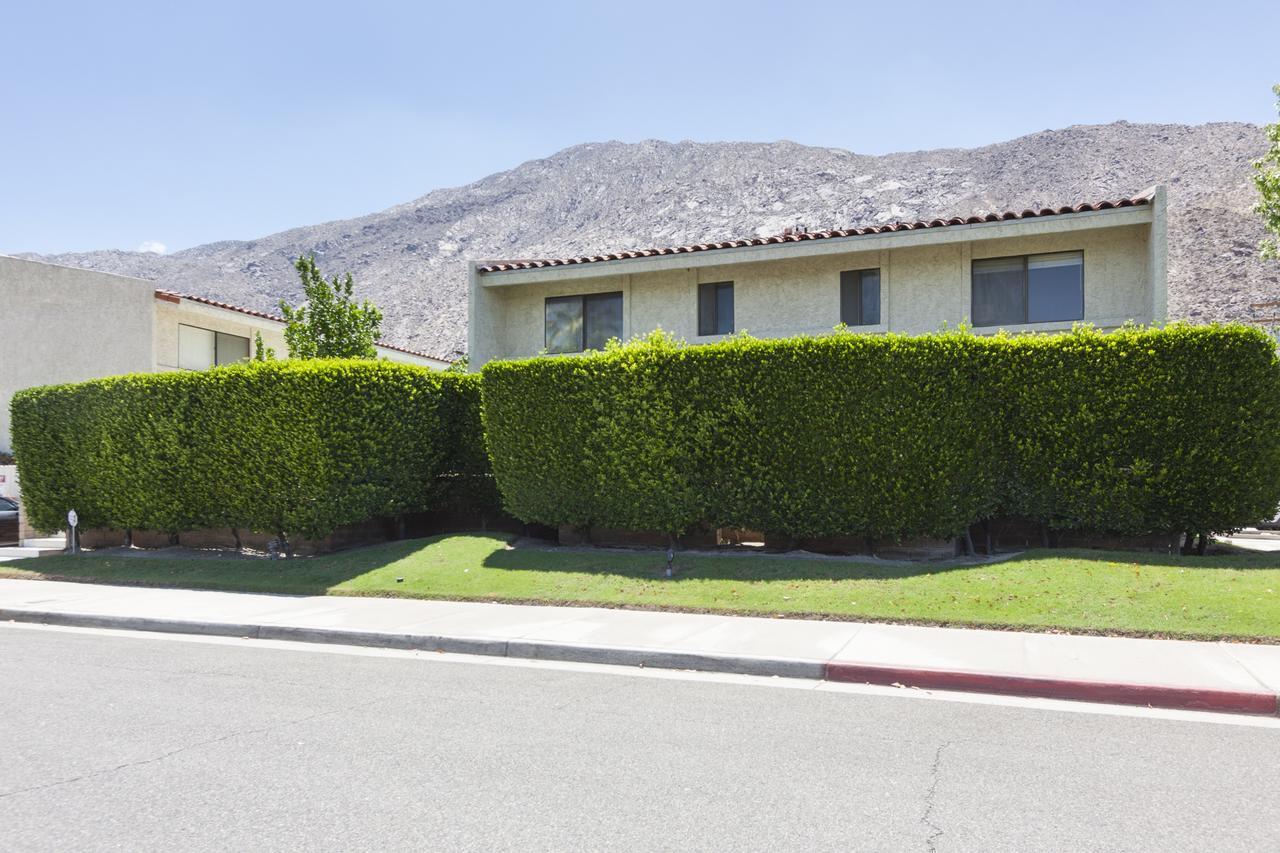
[1130,432]
[1141,431]
[299,447]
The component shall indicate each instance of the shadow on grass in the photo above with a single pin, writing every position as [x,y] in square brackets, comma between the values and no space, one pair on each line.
[375,568]
[766,567]
[693,565]
[298,576]
[1236,558]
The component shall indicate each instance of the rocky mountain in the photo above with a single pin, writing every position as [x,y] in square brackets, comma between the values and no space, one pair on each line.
[411,259]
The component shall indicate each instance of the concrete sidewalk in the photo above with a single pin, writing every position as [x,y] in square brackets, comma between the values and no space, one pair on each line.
[1231,677]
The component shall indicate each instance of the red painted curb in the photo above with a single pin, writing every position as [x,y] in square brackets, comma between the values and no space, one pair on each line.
[1156,696]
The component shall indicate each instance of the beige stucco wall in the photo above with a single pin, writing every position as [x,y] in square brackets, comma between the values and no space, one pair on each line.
[923,288]
[59,324]
[169,316]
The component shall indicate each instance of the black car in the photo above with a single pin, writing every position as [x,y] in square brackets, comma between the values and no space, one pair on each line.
[8,522]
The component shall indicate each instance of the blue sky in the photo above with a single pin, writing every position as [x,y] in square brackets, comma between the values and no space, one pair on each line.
[179,124]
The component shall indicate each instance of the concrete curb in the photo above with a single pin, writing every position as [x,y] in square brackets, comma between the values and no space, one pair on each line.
[1157,696]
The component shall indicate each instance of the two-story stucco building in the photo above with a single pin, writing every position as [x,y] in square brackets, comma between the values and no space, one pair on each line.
[63,324]
[1102,263]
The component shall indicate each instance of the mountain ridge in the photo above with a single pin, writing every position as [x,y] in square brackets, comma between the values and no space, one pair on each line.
[597,197]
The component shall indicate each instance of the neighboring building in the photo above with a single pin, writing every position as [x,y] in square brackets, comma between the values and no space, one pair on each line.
[62,324]
[1037,270]
[192,333]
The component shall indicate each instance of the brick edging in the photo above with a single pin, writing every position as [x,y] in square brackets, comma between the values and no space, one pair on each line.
[1114,693]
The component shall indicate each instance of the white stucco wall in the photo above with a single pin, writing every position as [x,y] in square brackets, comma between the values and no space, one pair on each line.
[59,324]
[925,283]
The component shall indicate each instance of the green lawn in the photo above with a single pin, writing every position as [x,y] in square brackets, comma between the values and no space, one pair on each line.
[1085,591]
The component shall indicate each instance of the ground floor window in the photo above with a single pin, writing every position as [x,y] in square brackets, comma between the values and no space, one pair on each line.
[1028,289]
[578,323]
[199,348]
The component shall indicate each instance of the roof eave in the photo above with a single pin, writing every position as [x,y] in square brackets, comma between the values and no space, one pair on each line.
[1063,222]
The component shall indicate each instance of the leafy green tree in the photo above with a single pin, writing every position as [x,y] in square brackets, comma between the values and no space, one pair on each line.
[329,324]
[1267,180]
[262,352]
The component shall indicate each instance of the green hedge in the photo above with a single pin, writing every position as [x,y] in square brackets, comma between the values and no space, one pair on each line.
[1140,431]
[1130,432]
[299,447]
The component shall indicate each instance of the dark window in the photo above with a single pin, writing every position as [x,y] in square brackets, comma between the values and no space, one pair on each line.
[602,319]
[715,308]
[577,323]
[860,297]
[1028,289]
[564,324]
[1000,291]
[1055,287]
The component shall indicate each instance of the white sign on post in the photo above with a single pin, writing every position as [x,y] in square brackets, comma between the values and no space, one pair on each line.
[73,520]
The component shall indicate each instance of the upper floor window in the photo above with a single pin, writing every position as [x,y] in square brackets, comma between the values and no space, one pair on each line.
[1028,289]
[860,297]
[577,323]
[715,308]
[202,348]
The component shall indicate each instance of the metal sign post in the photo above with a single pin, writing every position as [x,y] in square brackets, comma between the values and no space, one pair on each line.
[73,542]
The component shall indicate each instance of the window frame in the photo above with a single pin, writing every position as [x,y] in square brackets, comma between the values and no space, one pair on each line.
[216,334]
[210,332]
[714,288]
[1026,289]
[860,302]
[581,299]
[217,349]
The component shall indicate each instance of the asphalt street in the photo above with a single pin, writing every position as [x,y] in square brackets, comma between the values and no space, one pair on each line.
[112,742]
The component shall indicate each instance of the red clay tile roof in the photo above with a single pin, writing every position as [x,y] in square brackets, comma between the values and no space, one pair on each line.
[530,264]
[173,296]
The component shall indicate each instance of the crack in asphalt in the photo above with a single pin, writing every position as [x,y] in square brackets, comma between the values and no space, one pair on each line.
[931,843]
[93,774]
